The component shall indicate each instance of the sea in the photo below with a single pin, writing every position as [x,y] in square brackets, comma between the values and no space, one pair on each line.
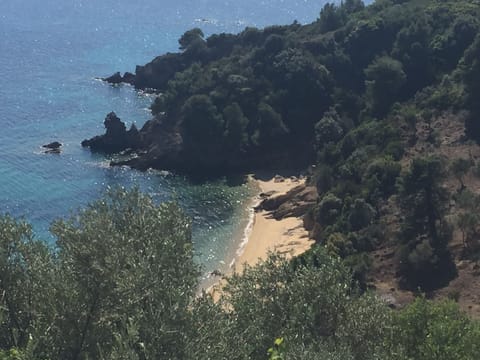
[52,51]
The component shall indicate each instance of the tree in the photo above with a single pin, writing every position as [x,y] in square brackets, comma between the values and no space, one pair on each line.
[338,244]
[330,18]
[361,215]
[329,209]
[120,281]
[328,129]
[121,261]
[324,176]
[203,124]
[468,223]
[190,38]
[313,308]
[235,127]
[12,354]
[380,177]
[470,66]
[121,284]
[425,260]
[412,49]
[384,79]
[274,44]
[271,127]
[469,219]
[352,6]
[436,331]
[460,168]
[27,281]
[306,90]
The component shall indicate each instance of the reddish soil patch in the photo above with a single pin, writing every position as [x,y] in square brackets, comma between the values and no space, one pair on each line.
[444,137]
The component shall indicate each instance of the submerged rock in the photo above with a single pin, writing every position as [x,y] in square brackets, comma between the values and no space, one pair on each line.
[53,148]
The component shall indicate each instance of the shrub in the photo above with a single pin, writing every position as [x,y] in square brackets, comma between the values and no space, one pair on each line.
[329,209]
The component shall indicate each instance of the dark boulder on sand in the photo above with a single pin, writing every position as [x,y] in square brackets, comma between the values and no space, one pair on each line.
[297,202]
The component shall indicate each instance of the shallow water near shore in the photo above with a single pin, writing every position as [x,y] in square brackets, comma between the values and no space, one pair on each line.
[51,53]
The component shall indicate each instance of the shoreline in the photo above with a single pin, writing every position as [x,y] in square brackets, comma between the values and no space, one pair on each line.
[264,234]
[286,236]
[247,230]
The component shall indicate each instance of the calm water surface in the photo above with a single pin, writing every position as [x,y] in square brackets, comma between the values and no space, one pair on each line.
[50,53]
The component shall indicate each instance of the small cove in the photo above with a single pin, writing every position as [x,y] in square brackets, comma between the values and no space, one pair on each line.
[52,51]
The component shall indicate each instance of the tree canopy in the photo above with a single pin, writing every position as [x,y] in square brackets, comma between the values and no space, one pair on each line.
[121,284]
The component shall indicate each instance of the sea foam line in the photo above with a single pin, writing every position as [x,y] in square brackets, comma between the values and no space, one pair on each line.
[247,232]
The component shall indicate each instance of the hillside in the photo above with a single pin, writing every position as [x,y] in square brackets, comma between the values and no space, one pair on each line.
[380,102]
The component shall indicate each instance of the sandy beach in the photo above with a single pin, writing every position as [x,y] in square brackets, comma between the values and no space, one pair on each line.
[286,236]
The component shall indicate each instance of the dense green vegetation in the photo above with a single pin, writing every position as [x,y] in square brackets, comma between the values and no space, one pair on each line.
[346,93]
[118,267]
[120,284]
[355,60]
[425,259]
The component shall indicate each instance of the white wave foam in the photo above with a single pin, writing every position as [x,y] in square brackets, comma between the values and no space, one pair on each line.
[248,229]
[104,164]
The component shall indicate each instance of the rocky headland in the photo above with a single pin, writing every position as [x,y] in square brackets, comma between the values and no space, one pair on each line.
[161,145]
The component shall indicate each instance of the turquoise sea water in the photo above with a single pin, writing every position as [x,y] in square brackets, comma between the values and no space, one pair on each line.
[50,53]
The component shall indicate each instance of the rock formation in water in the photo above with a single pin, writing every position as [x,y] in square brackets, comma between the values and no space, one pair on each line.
[117,78]
[53,148]
[116,137]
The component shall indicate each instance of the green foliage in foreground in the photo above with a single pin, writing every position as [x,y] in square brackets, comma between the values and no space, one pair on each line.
[121,282]
[118,283]
[313,308]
